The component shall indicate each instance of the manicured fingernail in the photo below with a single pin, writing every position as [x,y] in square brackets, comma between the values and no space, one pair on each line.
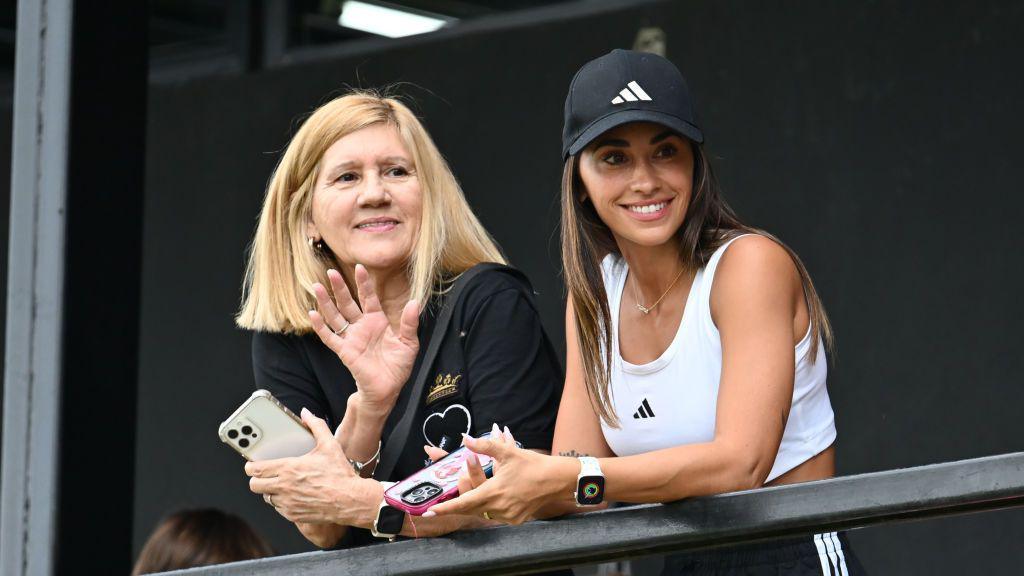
[508,434]
[429,514]
[495,430]
[305,412]
[464,469]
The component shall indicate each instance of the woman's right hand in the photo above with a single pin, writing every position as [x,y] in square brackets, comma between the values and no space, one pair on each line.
[379,358]
[497,498]
[472,475]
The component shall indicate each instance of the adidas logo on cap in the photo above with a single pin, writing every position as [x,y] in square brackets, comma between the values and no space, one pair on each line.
[631,93]
[644,411]
[626,86]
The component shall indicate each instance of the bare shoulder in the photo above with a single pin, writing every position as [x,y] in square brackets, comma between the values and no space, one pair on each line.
[756,267]
[754,256]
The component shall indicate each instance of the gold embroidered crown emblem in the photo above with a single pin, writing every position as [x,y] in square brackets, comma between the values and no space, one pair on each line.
[444,386]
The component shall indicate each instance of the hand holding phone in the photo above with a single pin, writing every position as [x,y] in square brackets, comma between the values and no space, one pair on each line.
[435,483]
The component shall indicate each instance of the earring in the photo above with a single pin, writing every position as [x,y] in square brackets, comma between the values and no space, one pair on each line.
[315,244]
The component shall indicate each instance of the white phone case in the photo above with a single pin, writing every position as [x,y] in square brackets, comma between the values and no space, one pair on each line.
[263,429]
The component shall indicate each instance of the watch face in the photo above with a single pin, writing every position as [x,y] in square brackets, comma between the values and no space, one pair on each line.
[590,490]
[389,520]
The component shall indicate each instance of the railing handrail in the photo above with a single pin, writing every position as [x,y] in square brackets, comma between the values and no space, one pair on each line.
[979,484]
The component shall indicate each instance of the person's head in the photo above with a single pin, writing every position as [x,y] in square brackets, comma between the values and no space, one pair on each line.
[202,537]
[636,174]
[361,182]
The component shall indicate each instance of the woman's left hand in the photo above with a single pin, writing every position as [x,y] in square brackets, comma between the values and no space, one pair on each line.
[379,357]
[523,482]
[318,487]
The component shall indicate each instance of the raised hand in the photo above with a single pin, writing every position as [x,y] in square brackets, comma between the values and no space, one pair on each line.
[379,357]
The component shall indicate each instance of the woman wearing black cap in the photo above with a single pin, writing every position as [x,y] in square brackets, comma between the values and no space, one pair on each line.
[695,344]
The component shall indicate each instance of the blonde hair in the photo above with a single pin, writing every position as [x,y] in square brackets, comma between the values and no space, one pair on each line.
[277,290]
[586,240]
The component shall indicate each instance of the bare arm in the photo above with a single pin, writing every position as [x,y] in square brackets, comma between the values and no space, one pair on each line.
[755,300]
[578,428]
[361,430]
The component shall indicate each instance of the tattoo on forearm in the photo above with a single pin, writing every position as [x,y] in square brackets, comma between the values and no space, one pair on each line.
[572,453]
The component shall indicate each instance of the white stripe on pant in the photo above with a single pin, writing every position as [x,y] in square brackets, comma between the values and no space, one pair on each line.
[826,570]
[843,570]
[830,552]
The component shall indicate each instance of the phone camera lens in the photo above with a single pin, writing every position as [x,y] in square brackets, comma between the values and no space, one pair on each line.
[246,430]
[232,433]
[243,443]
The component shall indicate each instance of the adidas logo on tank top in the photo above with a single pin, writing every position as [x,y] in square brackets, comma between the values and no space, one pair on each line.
[644,411]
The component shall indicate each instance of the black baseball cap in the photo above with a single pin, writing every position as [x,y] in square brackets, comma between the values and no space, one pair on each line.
[626,86]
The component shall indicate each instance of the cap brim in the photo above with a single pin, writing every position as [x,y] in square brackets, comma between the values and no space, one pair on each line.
[621,117]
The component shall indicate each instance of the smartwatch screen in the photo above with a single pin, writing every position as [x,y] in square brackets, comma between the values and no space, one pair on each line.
[590,490]
[390,520]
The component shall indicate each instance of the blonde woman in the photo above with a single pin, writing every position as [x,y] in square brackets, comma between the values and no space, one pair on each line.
[363,232]
[695,344]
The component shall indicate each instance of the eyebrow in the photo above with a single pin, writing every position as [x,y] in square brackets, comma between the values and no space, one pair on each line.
[337,169]
[624,144]
[662,136]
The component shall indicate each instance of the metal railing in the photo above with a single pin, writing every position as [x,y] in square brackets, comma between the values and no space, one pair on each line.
[979,484]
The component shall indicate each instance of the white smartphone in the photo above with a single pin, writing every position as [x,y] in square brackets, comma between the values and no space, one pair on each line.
[263,429]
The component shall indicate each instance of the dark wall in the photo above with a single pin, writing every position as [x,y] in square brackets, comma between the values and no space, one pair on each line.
[879,141]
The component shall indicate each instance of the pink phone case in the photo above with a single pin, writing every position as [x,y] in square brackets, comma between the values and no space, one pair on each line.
[432,485]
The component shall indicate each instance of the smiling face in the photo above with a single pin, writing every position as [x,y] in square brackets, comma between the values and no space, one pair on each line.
[367,204]
[639,177]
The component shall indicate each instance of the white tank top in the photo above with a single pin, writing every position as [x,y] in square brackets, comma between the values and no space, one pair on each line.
[672,400]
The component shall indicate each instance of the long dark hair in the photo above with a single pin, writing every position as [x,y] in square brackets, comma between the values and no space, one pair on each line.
[200,537]
[586,240]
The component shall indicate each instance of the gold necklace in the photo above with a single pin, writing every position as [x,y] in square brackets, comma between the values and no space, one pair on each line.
[645,309]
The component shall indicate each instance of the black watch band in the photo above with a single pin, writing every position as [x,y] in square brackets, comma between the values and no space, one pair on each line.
[388,523]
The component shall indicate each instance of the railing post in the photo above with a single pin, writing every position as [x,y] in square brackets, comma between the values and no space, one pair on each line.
[32,369]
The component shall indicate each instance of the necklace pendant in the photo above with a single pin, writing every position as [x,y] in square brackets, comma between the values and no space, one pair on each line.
[643,308]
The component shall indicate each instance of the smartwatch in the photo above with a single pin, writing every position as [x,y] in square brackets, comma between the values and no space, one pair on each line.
[590,483]
[388,523]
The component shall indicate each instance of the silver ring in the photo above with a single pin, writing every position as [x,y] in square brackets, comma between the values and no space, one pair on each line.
[269,499]
[343,328]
